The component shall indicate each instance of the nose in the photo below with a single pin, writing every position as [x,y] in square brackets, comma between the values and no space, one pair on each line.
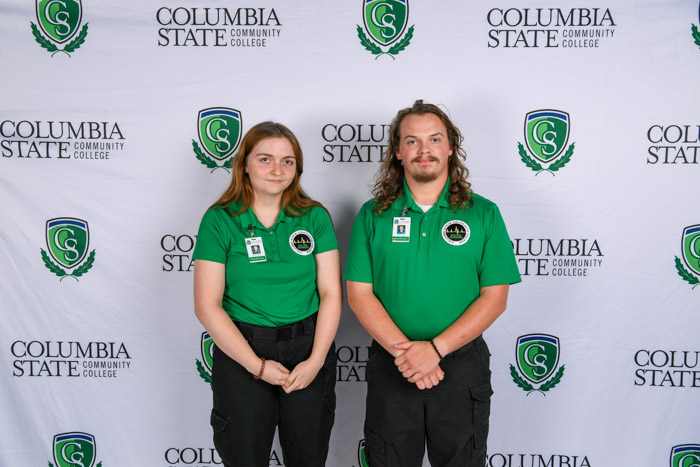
[276,168]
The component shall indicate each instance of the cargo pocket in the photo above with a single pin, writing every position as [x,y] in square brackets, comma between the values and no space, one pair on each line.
[375,449]
[478,458]
[481,395]
[221,437]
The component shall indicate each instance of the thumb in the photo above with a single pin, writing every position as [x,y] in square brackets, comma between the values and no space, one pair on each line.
[403,345]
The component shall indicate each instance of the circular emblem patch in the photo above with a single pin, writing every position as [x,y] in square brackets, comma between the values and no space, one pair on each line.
[302,242]
[455,232]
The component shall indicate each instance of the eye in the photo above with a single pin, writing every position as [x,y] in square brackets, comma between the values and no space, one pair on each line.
[411,142]
[264,160]
[436,140]
[289,162]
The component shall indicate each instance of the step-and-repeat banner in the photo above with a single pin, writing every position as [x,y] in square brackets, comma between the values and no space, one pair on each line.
[118,124]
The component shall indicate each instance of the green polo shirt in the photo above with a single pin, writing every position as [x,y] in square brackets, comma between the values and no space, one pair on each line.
[281,289]
[426,283]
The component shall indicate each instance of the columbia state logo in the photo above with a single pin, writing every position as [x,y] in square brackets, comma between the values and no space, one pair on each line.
[362,454]
[67,241]
[685,455]
[694,29]
[59,21]
[206,348]
[455,232]
[537,356]
[74,449]
[302,242]
[219,131]
[690,252]
[546,135]
[385,22]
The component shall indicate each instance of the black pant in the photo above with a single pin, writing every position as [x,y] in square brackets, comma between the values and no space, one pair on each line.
[452,417]
[246,411]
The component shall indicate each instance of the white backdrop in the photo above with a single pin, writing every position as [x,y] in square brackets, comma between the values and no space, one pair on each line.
[112,353]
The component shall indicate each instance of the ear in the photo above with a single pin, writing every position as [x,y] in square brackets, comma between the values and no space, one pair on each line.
[397,155]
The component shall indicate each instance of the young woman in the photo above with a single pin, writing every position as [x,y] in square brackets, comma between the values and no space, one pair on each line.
[267,289]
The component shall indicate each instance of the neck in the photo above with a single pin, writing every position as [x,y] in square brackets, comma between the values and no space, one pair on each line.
[267,209]
[426,193]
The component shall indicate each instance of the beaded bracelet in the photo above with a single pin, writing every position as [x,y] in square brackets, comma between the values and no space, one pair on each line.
[262,369]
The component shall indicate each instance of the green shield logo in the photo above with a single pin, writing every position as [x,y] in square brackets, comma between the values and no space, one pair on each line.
[691,248]
[59,19]
[207,349]
[546,133]
[220,131]
[385,20]
[685,455]
[537,356]
[67,240]
[361,455]
[74,450]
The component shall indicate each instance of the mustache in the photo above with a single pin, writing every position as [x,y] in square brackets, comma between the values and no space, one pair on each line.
[430,158]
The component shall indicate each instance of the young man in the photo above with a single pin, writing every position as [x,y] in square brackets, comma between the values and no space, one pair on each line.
[426,295]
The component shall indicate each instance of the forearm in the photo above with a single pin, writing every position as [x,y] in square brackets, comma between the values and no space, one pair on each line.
[475,319]
[374,317]
[228,337]
[329,309]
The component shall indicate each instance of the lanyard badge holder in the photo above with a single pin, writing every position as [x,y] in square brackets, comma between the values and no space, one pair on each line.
[255,248]
[401,227]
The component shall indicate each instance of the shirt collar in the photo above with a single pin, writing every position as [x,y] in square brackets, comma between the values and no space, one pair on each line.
[248,217]
[406,199]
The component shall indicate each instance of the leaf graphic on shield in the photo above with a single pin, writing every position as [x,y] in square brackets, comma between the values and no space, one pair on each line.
[685,455]
[546,133]
[385,20]
[74,450]
[207,349]
[220,131]
[59,19]
[537,356]
[691,247]
[67,240]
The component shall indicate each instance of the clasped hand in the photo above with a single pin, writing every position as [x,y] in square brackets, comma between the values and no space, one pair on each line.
[419,363]
[300,377]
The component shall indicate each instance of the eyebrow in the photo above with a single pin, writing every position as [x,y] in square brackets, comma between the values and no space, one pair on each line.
[429,136]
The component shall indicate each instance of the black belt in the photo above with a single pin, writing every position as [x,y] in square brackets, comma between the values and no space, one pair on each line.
[305,327]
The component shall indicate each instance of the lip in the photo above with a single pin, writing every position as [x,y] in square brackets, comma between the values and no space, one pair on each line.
[276,181]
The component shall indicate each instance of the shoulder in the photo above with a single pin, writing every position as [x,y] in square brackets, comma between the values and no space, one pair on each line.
[482,201]
[482,204]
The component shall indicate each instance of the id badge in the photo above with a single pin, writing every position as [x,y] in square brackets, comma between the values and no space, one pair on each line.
[401,229]
[256,250]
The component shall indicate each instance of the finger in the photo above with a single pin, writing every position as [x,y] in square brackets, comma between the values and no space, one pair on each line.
[420,385]
[434,379]
[428,384]
[403,345]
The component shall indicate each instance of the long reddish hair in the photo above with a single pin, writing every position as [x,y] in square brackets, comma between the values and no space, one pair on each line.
[294,200]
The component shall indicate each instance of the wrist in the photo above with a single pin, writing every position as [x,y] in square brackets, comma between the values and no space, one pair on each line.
[262,369]
[437,349]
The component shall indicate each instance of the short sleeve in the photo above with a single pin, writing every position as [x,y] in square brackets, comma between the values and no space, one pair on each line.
[358,267]
[498,265]
[324,235]
[212,244]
